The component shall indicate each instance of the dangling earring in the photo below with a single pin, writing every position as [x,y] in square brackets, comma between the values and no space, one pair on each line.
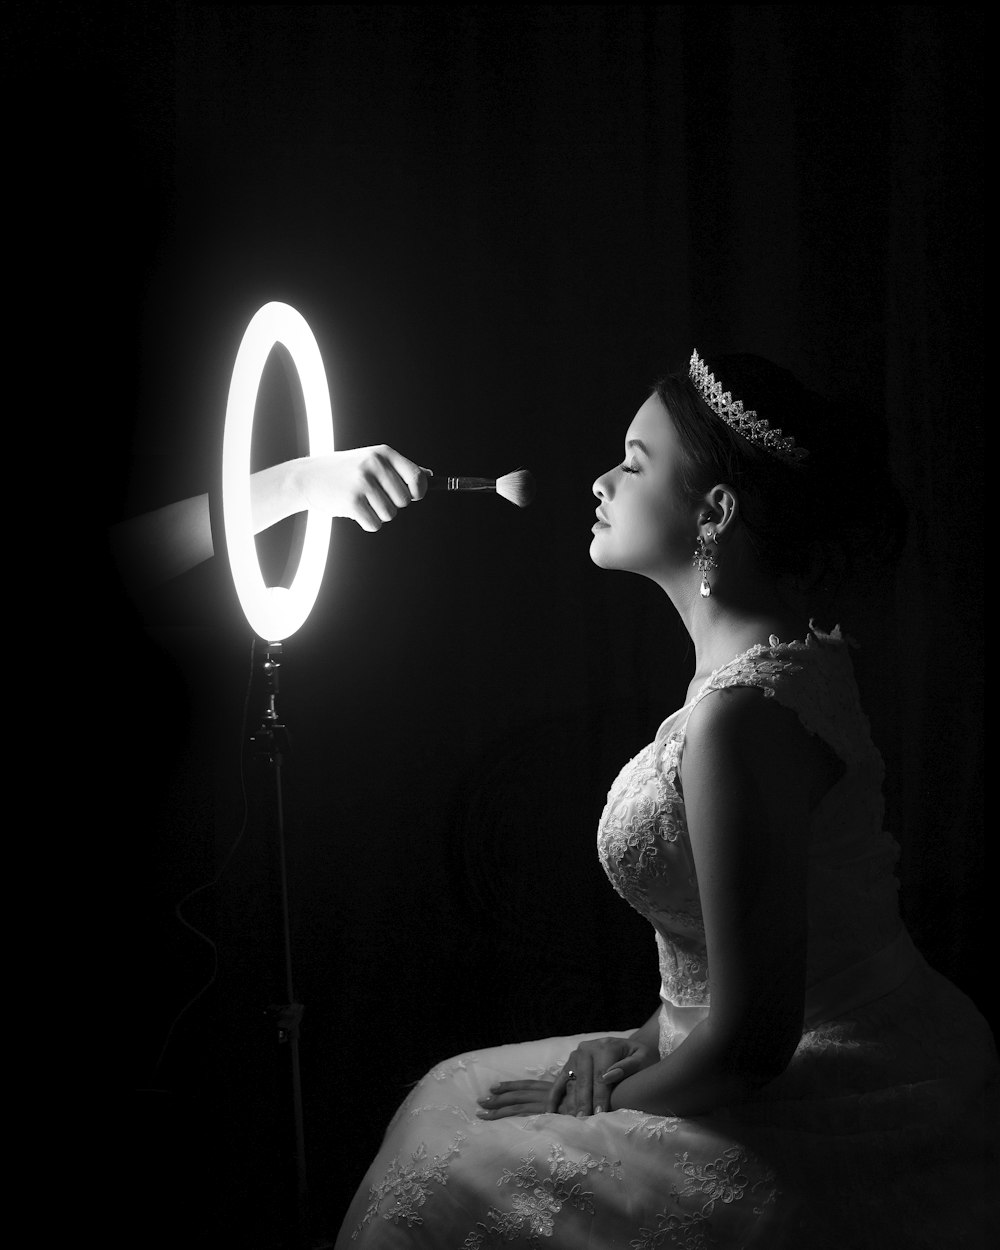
[704,560]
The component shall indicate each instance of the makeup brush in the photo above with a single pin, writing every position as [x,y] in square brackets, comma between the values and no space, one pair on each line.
[518,487]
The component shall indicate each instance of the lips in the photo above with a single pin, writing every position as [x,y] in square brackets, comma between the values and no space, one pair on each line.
[601,520]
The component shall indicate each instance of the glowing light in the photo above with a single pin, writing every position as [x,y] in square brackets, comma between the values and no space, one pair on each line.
[274,612]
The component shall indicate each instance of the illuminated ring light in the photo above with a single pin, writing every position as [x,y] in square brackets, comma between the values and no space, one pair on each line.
[274,612]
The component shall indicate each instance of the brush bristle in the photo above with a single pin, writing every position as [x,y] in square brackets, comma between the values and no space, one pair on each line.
[518,487]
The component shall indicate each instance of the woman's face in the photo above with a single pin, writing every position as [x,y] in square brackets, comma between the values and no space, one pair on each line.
[645,523]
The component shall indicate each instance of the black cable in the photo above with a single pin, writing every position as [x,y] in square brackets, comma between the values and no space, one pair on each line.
[217,878]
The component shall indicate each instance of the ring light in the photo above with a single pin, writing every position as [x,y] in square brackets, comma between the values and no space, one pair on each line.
[274,612]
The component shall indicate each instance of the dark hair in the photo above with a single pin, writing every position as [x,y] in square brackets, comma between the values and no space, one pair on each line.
[828,521]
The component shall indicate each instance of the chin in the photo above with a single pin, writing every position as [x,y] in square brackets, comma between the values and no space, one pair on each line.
[600,554]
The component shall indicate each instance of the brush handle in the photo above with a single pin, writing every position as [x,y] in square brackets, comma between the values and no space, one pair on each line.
[461,483]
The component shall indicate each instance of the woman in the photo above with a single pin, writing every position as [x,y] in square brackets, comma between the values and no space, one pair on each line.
[806,1080]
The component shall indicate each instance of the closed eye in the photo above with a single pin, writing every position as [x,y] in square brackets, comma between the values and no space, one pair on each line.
[629,468]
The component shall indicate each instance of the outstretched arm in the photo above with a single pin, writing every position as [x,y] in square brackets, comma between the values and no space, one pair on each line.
[367,484]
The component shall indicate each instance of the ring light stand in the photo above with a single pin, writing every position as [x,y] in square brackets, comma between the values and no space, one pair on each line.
[275,612]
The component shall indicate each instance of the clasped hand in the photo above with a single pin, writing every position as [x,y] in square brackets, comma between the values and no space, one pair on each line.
[582,1088]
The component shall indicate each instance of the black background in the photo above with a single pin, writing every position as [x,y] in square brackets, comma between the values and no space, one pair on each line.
[501,224]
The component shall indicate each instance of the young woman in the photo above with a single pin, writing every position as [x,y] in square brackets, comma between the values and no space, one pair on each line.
[806,1080]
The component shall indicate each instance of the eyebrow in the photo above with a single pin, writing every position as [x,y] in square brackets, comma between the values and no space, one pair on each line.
[637,442]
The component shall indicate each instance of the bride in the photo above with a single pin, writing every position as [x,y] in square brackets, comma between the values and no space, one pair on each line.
[804,1078]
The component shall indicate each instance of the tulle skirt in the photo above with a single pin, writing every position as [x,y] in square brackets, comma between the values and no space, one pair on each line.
[881,1133]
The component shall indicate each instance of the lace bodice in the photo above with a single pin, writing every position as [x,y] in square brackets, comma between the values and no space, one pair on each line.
[645,848]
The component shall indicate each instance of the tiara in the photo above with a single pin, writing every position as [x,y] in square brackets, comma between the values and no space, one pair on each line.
[752,427]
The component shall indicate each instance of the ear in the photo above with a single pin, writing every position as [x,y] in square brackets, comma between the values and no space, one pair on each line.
[720,508]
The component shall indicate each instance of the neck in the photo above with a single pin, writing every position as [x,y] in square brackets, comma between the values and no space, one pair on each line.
[740,612]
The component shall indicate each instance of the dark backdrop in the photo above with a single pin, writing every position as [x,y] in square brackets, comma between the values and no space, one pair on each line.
[502,223]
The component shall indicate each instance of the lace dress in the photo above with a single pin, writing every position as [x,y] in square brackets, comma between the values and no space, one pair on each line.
[879,1133]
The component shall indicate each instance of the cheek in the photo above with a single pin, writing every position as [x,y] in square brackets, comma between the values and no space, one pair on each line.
[653,531]
[651,520]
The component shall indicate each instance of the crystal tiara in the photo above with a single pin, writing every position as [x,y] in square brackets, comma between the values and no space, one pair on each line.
[752,427]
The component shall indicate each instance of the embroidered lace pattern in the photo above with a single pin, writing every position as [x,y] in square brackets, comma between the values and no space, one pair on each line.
[727,1179]
[404,1188]
[538,1196]
[645,849]
[651,1127]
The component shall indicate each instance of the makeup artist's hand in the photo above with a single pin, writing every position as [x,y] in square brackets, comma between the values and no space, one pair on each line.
[592,1071]
[369,484]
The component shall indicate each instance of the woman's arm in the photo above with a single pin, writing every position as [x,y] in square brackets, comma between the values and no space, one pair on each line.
[367,484]
[643,1049]
[648,1034]
[749,774]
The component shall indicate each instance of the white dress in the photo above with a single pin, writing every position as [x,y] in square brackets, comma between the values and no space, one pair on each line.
[880,1133]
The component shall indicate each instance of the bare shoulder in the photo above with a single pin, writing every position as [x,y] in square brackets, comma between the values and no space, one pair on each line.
[743,714]
[740,730]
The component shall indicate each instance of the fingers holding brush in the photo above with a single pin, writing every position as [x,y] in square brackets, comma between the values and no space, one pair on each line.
[388,482]
[368,484]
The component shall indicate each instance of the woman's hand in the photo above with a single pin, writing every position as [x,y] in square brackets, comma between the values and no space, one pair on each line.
[508,1098]
[369,484]
[593,1069]
[582,1088]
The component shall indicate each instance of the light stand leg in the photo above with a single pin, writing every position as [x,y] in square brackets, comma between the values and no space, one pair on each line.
[270,738]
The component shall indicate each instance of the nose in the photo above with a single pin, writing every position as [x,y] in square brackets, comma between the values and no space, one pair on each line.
[601,487]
